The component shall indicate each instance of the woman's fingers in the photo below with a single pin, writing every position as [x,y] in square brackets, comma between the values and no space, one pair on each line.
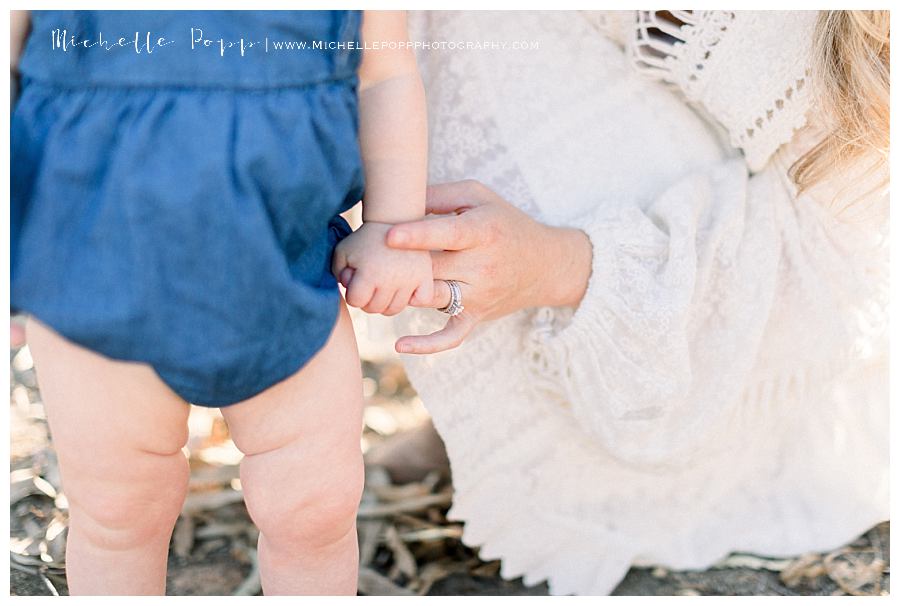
[447,264]
[454,333]
[452,232]
[445,198]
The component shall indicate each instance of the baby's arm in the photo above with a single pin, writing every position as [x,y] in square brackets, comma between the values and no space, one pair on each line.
[19,22]
[392,124]
[393,140]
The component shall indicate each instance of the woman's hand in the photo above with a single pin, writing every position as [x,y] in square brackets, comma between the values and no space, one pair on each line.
[503,260]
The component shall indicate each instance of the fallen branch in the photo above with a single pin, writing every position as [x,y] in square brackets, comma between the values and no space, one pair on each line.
[410,505]
[201,501]
[251,584]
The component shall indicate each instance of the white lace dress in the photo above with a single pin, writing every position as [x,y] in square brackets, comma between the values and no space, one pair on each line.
[722,386]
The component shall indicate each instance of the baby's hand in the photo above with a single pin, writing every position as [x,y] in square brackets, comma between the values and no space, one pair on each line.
[383,279]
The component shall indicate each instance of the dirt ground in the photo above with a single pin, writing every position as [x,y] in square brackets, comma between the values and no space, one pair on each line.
[407,546]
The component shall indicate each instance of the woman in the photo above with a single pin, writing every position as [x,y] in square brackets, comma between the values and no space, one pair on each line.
[687,345]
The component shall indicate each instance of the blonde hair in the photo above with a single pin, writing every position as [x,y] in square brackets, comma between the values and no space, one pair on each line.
[851,74]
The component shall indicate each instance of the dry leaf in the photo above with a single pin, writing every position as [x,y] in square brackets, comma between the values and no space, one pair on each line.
[430,574]
[207,547]
[183,536]
[56,535]
[21,489]
[433,533]
[806,567]
[401,492]
[747,560]
[403,559]
[488,569]
[251,585]
[199,501]
[372,583]
[220,529]
[853,574]
[370,531]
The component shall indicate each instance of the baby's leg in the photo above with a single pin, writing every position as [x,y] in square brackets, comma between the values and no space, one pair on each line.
[302,474]
[118,431]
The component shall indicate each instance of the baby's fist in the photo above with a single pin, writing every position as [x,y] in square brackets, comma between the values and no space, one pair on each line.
[380,279]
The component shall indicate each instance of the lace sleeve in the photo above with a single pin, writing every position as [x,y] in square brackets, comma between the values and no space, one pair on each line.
[710,285]
[748,70]
[727,289]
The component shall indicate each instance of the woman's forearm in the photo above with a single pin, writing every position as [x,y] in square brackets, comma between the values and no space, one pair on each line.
[566,268]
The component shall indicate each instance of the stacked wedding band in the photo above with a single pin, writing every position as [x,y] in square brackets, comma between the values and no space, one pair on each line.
[455,306]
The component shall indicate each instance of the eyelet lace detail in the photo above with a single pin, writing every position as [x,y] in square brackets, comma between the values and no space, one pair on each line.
[735,66]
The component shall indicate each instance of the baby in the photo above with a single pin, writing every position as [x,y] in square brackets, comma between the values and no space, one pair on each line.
[174,216]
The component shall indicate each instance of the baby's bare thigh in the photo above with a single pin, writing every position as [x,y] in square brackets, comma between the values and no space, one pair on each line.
[111,422]
[316,410]
[99,401]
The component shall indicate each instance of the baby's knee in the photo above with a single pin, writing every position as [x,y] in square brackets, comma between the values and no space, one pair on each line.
[312,509]
[135,511]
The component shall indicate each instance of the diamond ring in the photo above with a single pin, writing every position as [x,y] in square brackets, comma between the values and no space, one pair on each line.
[455,306]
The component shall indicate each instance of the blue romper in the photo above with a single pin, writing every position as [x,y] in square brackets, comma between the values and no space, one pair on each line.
[180,207]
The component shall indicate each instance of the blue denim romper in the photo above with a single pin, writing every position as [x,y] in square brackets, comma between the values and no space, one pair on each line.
[180,207]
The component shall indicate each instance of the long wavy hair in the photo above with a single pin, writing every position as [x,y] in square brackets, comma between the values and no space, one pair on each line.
[851,73]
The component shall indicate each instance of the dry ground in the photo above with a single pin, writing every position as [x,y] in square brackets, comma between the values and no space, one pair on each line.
[407,545]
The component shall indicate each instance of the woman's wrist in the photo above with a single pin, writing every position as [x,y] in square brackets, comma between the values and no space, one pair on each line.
[567,267]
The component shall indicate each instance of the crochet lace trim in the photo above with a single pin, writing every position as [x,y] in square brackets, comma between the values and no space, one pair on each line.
[709,56]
